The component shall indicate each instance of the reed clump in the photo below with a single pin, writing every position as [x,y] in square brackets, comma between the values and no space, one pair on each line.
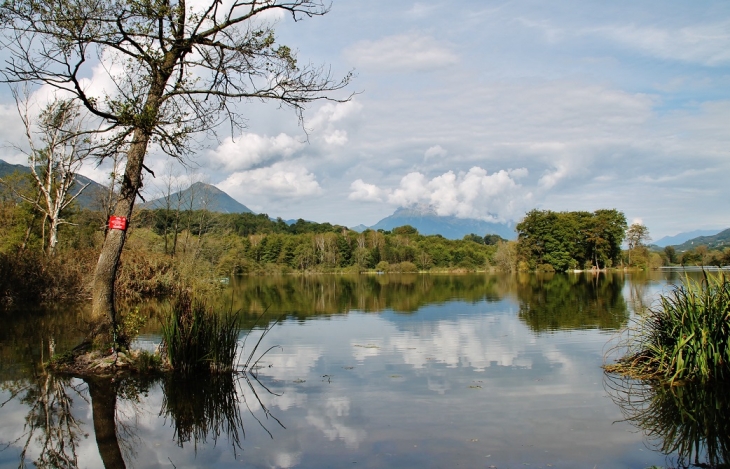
[195,338]
[686,337]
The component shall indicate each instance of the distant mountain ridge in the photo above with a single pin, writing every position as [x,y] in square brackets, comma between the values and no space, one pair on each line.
[428,222]
[681,238]
[717,241]
[90,198]
[204,196]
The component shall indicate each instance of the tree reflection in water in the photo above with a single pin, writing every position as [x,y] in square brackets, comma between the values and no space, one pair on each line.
[50,427]
[198,408]
[689,421]
[552,302]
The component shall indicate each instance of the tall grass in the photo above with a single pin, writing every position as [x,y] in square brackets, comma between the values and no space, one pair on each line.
[197,339]
[686,337]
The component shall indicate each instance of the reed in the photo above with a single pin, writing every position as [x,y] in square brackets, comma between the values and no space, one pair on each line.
[687,422]
[197,339]
[686,337]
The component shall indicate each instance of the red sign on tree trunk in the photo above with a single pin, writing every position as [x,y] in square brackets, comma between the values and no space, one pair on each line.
[117,223]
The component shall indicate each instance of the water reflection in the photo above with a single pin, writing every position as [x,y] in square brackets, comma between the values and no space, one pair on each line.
[548,302]
[689,422]
[51,431]
[196,408]
[370,367]
[554,302]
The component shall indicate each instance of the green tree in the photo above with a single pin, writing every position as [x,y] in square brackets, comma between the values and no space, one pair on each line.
[636,235]
[671,254]
[565,240]
[183,68]
[493,239]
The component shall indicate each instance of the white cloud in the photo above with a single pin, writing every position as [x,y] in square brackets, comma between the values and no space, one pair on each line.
[336,137]
[250,150]
[325,121]
[419,10]
[279,181]
[410,52]
[435,152]
[473,194]
[365,192]
[331,418]
[333,112]
[707,44]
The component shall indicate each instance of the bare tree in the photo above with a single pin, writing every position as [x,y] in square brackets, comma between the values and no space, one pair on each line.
[58,145]
[177,69]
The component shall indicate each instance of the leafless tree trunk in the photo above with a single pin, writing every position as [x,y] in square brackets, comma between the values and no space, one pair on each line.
[57,148]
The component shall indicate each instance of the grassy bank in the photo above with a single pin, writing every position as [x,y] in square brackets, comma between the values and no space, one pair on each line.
[685,337]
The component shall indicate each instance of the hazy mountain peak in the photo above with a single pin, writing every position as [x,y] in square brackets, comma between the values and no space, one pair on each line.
[425,219]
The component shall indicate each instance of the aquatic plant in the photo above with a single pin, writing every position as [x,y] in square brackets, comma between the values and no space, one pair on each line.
[196,338]
[686,422]
[685,337]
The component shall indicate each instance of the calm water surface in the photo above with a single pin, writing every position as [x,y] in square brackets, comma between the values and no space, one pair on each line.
[419,371]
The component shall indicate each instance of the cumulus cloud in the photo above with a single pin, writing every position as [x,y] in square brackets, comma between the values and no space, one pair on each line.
[250,150]
[324,123]
[471,194]
[365,192]
[410,52]
[278,181]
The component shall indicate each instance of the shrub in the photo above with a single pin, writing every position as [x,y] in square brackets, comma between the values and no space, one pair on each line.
[32,277]
[195,338]
[686,337]
[145,275]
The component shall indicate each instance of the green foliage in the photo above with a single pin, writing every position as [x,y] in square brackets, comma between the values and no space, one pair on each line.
[566,240]
[147,362]
[197,339]
[404,230]
[686,337]
[129,326]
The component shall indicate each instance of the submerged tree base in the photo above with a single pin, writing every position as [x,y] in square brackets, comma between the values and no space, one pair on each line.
[108,363]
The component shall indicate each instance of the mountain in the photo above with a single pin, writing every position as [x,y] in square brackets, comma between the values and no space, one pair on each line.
[720,240]
[204,196]
[682,237]
[427,222]
[90,198]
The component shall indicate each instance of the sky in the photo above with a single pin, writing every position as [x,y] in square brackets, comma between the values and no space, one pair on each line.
[486,109]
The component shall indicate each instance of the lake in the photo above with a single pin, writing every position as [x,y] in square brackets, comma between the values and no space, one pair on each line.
[406,371]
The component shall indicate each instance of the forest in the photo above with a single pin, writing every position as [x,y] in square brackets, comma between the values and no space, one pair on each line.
[167,247]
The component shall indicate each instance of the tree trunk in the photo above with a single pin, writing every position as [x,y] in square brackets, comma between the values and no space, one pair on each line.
[104,406]
[111,251]
[53,236]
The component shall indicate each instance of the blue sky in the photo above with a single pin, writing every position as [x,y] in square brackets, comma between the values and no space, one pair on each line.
[489,109]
